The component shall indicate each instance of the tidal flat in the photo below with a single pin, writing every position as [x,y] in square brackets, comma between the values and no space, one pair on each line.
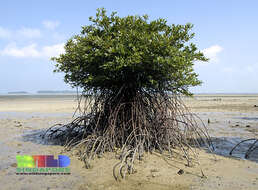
[229,118]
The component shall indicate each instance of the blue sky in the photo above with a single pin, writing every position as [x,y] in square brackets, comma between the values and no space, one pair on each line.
[33,31]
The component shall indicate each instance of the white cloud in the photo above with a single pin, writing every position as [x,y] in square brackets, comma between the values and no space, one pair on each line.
[4,33]
[32,51]
[29,32]
[27,51]
[51,25]
[212,52]
[54,50]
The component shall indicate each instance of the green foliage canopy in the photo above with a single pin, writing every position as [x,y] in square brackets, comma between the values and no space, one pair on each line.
[131,51]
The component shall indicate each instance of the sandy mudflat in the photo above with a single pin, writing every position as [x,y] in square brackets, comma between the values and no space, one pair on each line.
[232,119]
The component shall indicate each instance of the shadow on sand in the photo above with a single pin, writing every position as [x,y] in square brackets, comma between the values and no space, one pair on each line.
[36,136]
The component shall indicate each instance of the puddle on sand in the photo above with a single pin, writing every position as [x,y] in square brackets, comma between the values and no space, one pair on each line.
[225,137]
[248,118]
[223,146]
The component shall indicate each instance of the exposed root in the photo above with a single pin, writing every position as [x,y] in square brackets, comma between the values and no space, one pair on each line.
[146,122]
[250,149]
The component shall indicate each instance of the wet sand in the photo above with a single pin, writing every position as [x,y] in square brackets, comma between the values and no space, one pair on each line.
[232,119]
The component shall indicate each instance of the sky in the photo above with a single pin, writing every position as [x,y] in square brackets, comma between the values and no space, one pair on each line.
[33,31]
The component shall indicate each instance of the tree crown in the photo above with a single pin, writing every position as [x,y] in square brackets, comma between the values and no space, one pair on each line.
[131,51]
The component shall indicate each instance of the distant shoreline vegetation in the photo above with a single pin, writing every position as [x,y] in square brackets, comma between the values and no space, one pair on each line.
[18,92]
[56,92]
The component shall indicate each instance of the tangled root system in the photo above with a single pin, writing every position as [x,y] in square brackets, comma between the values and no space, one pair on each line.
[131,123]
